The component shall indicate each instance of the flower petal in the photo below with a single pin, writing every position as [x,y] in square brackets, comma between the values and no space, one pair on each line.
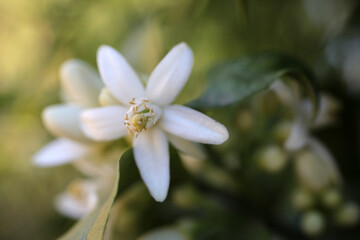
[187,147]
[107,99]
[327,159]
[288,93]
[152,158]
[170,75]
[104,123]
[192,125]
[118,75]
[63,121]
[58,152]
[81,83]
[298,135]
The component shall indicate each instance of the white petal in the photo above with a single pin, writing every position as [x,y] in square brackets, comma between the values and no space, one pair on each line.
[107,99]
[118,76]
[152,158]
[63,121]
[104,123]
[60,151]
[81,83]
[187,147]
[326,158]
[170,75]
[298,135]
[287,92]
[192,125]
[328,108]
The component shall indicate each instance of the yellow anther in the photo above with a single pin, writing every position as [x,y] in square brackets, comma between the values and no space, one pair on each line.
[145,106]
[76,190]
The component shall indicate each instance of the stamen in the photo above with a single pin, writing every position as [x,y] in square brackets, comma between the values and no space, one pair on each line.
[145,106]
[139,116]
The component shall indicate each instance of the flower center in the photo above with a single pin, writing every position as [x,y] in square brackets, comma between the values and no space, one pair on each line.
[140,116]
[76,189]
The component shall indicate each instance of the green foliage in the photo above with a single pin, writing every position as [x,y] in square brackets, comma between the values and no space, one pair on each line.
[232,81]
[92,227]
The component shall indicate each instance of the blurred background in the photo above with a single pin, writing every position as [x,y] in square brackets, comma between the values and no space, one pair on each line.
[38,36]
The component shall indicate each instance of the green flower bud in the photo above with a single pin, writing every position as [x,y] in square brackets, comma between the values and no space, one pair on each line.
[302,199]
[348,214]
[331,198]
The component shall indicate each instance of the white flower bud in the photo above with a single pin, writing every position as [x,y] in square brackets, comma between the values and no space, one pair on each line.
[312,223]
[272,158]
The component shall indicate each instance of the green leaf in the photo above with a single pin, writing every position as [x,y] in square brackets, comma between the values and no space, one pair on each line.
[92,227]
[235,80]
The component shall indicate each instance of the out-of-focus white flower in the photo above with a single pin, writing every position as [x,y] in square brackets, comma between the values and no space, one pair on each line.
[290,97]
[326,115]
[81,86]
[79,199]
[147,114]
[302,111]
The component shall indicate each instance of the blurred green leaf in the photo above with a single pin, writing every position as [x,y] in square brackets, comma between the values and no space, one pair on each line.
[235,80]
[92,227]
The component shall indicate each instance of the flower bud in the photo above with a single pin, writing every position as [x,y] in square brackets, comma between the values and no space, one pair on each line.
[331,198]
[272,158]
[302,199]
[312,223]
[348,214]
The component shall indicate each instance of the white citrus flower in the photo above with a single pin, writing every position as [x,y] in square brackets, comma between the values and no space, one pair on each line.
[146,114]
[79,199]
[302,111]
[81,86]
